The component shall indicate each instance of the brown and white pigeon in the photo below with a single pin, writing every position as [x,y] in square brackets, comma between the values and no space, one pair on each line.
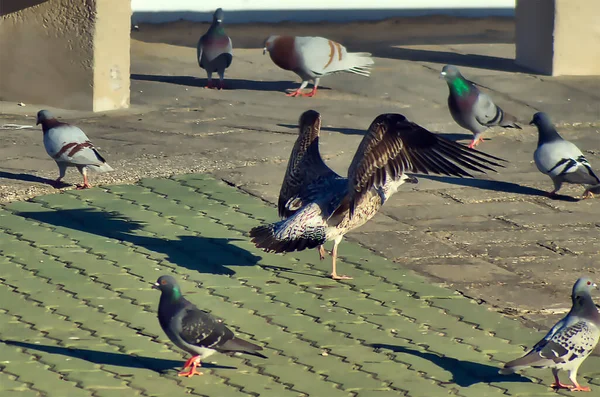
[314,57]
[568,343]
[193,330]
[70,147]
[472,109]
[215,50]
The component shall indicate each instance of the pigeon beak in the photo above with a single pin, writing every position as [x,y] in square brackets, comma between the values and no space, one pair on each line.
[219,20]
[531,122]
[264,50]
[155,286]
[442,74]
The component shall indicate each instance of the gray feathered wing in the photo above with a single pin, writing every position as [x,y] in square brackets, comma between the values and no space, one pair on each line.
[306,169]
[202,329]
[393,145]
[560,345]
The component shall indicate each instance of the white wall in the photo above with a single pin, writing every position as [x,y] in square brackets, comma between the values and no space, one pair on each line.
[238,11]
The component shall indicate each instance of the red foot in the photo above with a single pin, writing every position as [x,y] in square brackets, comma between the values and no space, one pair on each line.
[84,186]
[580,388]
[475,142]
[209,84]
[559,385]
[221,85]
[193,362]
[298,92]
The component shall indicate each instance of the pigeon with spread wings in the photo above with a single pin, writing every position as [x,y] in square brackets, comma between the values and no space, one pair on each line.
[318,205]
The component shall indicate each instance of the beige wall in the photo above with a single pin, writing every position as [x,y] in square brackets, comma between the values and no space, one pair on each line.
[70,54]
[559,37]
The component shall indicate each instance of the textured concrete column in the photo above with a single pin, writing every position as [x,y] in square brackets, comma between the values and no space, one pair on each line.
[71,54]
[559,37]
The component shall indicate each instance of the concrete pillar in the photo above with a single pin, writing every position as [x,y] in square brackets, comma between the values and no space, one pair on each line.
[71,54]
[559,37]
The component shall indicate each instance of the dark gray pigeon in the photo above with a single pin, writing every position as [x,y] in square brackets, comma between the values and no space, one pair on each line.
[215,51]
[568,343]
[193,330]
[561,160]
[70,147]
[472,109]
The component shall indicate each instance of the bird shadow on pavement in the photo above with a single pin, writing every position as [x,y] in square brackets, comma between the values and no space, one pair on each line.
[201,253]
[464,373]
[497,186]
[230,84]
[109,358]
[32,178]
[450,58]
[345,131]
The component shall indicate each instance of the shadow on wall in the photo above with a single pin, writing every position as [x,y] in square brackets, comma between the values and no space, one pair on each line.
[382,38]
[200,253]
[335,15]
[10,6]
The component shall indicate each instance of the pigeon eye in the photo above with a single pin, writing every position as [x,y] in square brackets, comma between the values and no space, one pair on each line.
[164,282]
[589,283]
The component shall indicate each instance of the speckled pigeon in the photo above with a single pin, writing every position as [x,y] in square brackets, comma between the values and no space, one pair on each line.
[569,342]
[314,57]
[193,330]
[561,160]
[472,109]
[70,147]
[215,51]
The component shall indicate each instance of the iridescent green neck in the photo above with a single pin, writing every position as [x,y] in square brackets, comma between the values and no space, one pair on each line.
[460,86]
[176,294]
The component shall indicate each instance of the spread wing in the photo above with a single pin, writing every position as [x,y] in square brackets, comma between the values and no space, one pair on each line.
[305,166]
[202,329]
[393,145]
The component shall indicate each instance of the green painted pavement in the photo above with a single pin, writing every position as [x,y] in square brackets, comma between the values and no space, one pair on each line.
[77,313]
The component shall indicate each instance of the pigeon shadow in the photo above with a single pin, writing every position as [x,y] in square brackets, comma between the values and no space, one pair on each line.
[32,178]
[464,373]
[497,186]
[230,84]
[450,58]
[200,253]
[345,131]
[108,358]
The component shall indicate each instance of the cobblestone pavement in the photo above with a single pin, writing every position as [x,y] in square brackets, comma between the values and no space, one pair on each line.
[78,316]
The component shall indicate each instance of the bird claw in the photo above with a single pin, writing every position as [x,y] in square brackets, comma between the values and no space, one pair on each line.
[336,276]
[190,373]
[558,385]
[84,186]
[209,85]
[475,142]
[587,195]
[294,93]
[580,388]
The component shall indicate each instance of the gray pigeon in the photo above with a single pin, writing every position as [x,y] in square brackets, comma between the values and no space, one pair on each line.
[568,343]
[215,51]
[193,330]
[70,147]
[314,57]
[561,160]
[472,109]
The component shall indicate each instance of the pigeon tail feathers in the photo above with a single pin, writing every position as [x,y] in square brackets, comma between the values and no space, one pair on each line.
[242,346]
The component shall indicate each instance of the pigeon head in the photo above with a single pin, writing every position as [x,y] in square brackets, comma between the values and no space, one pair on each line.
[44,115]
[218,16]
[457,83]
[268,46]
[546,130]
[582,290]
[540,119]
[584,286]
[168,286]
[450,72]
